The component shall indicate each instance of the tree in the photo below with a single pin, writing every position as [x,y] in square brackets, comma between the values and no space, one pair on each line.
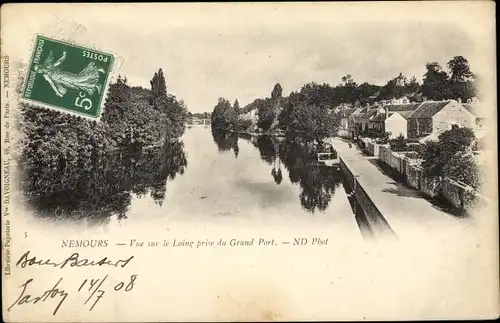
[452,156]
[462,80]
[267,109]
[174,110]
[435,84]
[223,115]
[318,94]
[413,90]
[158,85]
[366,93]
[284,118]
[312,122]
[236,106]
[347,91]
[399,87]
[348,80]
[460,69]
[266,114]
[277,92]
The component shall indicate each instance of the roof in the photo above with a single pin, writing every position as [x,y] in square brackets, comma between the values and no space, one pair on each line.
[356,117]
[428,109]
[366,115]
[405,114]
[476,109]
[469,107]
[370,113]
[379,117]
[402,107]
[357,111]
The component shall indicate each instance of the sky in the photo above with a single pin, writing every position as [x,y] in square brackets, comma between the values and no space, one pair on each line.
[239,51]
[205,63]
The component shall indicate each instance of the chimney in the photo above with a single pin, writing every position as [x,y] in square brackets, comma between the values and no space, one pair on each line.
[459,100]
[386,111]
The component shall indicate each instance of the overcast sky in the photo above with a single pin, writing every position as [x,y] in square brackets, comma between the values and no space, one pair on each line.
[202,64]
[240,51]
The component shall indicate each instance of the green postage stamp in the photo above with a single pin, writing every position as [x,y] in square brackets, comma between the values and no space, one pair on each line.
[67,77]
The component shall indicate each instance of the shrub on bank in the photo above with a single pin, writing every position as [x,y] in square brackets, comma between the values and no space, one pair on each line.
[132,117]
[399,144]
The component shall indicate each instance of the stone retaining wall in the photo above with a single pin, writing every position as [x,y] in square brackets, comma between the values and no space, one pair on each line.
[459,195]
[374,217]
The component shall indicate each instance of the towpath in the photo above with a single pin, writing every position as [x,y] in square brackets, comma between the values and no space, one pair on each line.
[408,213]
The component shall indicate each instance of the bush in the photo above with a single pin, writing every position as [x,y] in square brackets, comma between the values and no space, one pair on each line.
[451,156]
[129,121]
[419,149]
[399,144]
[243,124]
[463,168]
[384,138]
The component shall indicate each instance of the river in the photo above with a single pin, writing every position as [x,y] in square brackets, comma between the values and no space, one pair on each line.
[206,176]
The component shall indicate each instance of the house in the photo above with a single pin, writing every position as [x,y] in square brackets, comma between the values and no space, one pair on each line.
[479,110]
[393,119]
[435,117]
[360,119]
[403,100]
[353,122]
[344,116]
[484,122]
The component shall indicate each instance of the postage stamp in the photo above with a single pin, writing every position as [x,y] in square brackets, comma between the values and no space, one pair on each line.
[67,77]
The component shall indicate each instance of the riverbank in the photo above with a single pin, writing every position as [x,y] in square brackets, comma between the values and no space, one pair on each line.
[406,212]
[273,134]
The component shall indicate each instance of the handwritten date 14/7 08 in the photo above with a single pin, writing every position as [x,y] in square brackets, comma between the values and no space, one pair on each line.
[95,287]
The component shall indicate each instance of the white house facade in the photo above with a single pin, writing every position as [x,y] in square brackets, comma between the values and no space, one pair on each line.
[396,124]
[452,114]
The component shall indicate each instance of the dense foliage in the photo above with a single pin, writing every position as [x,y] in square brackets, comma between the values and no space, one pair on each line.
[308,112]
[226,117]
[223,116]
[74,166]
[451,156]
[133,118]
[458,83]
[399,143]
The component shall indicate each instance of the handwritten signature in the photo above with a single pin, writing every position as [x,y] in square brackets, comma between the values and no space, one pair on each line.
[92,286]
[73,261]
[50,293]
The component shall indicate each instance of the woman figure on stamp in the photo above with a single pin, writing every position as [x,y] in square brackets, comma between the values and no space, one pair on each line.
[87,80]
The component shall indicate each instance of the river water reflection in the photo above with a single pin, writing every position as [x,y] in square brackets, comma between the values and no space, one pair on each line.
[207,176]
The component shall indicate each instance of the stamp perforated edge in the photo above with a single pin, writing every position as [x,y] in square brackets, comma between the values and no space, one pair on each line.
[109,75]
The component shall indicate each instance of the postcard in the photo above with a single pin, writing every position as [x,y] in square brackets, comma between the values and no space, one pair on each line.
[249,161]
